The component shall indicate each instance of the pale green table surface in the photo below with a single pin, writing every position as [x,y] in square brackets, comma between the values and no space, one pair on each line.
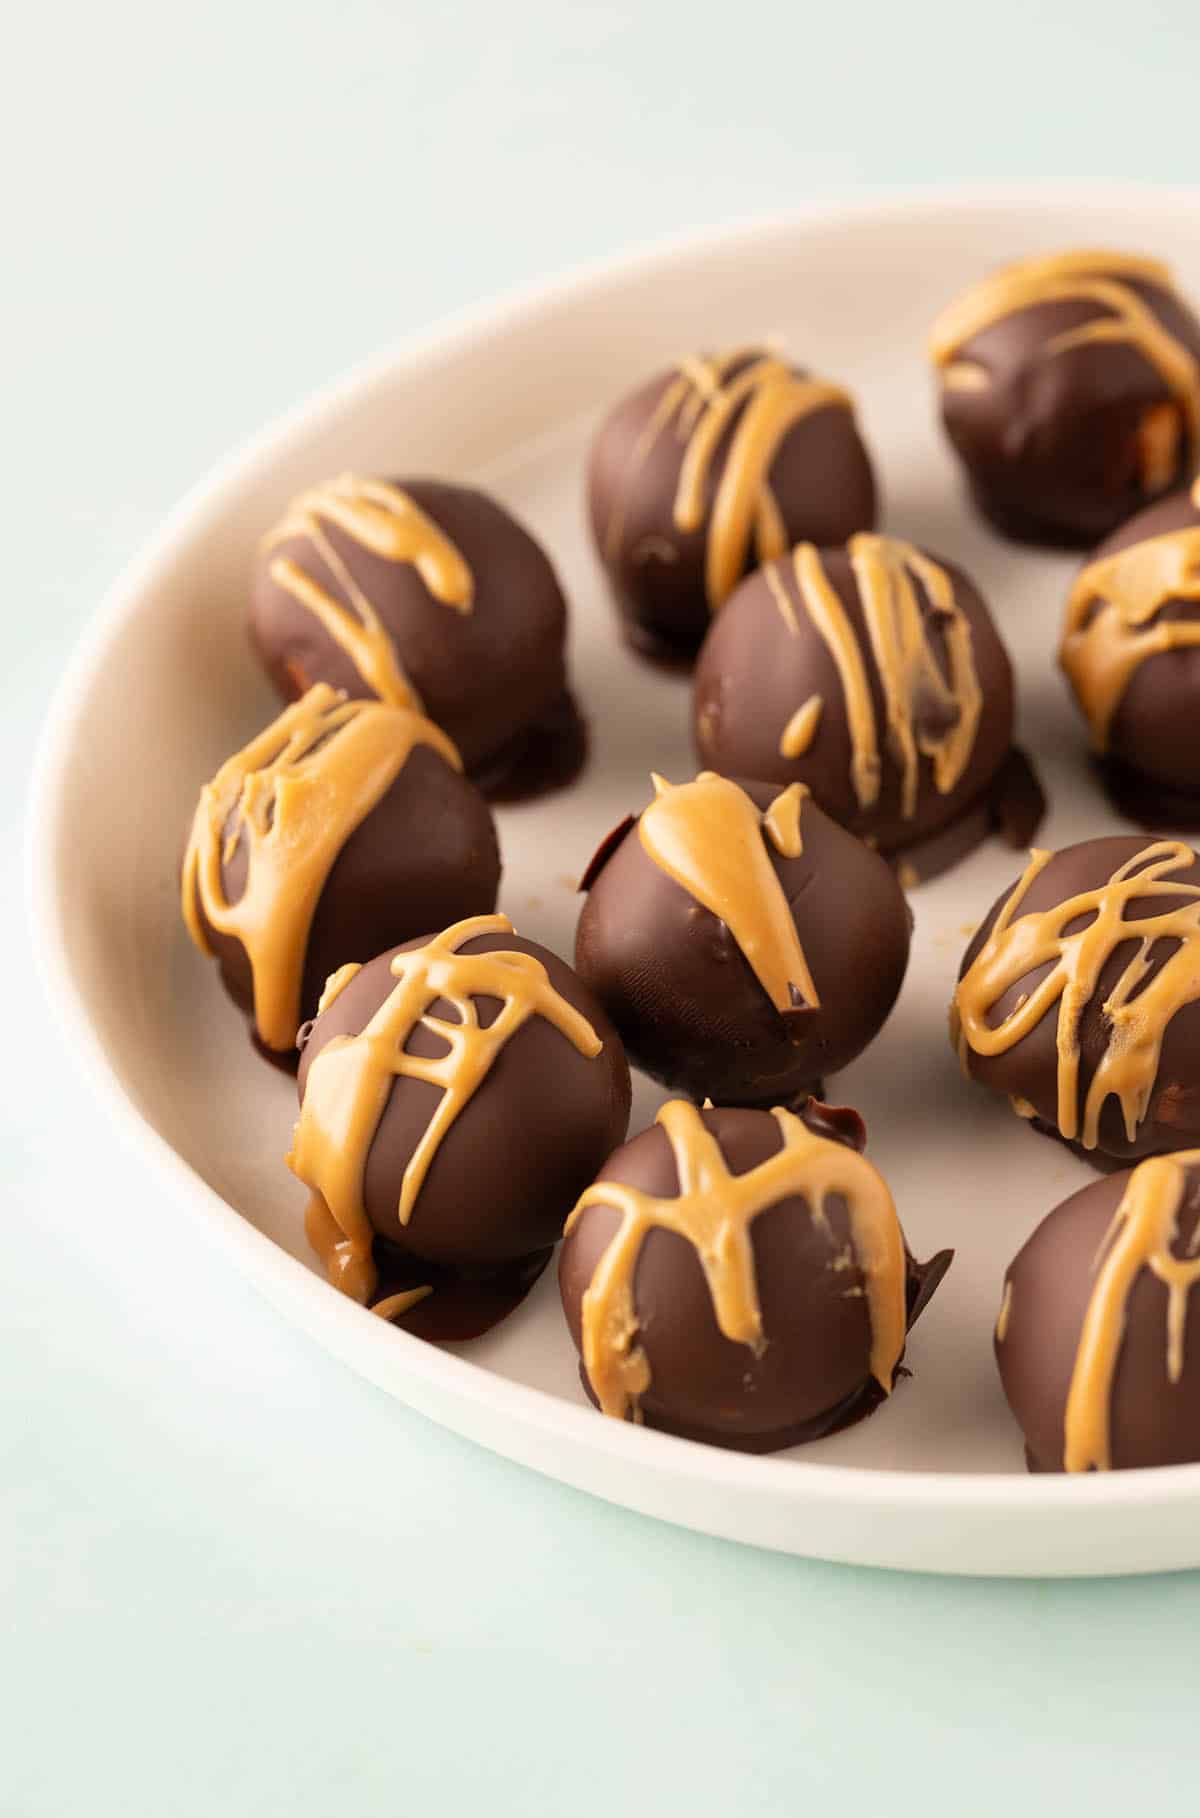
[237,1580]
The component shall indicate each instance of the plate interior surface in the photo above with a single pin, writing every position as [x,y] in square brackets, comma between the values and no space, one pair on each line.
[167,687]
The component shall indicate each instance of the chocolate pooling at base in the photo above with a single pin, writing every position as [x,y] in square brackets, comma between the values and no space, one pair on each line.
[284,807]
[740,1276]
[1094,1343]
[1075,997]
[873,675]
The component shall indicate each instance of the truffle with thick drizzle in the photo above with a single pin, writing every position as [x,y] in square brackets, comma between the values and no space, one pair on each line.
[1080,997]
[1131,653]
[426,1130]
[424,594]
[716,465]
[342,827]
[740,1276]
[1070,388]
[874,675]
[1099,1348]
[743,944]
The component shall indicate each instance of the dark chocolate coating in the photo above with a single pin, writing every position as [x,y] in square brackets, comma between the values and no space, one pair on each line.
[491,677]
[754,672]
[425,856]
[691,1011]
[1152,735]
[511,1166]
[821,479]
[1051,445]
[1029,1070]
[1152,1420]
[813,1375]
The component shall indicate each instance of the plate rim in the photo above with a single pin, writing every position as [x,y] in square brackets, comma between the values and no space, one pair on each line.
[340,1325]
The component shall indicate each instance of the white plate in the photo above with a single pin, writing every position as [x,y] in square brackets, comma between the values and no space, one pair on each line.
[166,687]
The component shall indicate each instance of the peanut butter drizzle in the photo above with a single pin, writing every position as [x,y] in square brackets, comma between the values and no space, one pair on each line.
[1141,1236]
[1005,1313]
[385,521]
[1101,278]
[702,401]
[351,1079]
[1019,944]
[886,572]
[293,796]
[1111,614]
[708,836]
[801,729]
[714,1212]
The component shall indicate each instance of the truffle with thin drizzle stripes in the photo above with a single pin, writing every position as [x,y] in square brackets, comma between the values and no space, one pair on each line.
[1070,390]
[873,675]
[1079,997]
[343,827]
[1098,1338]
[740,1276]
[718,464]
[440,1166]
[425,595]
[743,943]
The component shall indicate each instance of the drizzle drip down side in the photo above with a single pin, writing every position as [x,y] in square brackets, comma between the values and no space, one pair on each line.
[932,707]
[710,838]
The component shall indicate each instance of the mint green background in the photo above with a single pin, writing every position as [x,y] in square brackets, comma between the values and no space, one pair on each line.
[237,1580]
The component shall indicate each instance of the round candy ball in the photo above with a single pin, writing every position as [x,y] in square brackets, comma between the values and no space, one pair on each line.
[1131,653]
[709,468]
[417,591]
[488,1086]
[344,827]
[874,675]
[742,942]
[1098,1340]
[790,1328]
[1070,390]
[1077,997]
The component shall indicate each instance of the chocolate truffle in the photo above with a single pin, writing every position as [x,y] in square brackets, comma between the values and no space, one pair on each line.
[1097,1341]
[872,674]
[710,468]
[741,1277]
[428,596]
[742,942]
[1079,997]
[457,1093]
[1131,652]
[1071,392]
[342,828]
